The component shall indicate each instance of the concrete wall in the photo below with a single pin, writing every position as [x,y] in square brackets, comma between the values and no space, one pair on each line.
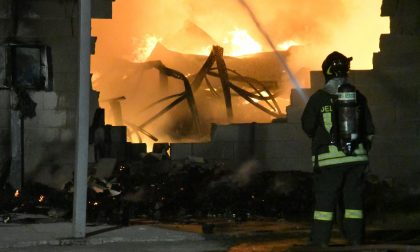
[396,107]
[276,146]
[50,135]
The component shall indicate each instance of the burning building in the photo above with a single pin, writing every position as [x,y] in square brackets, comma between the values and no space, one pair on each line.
[273,49]
[221,80]
[262,42]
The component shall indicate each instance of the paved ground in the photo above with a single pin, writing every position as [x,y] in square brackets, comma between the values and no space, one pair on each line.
[37,233]
[57,237]
[181,246]
[32,234]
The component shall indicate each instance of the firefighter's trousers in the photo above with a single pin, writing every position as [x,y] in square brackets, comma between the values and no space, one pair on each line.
[332,184]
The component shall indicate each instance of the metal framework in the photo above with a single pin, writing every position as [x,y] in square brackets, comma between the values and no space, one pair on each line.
[226,77]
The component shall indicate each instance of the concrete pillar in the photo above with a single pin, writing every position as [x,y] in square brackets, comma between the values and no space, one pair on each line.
[80,173]
[16,140]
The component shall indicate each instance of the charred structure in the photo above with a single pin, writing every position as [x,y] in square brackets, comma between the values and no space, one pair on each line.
[187,182]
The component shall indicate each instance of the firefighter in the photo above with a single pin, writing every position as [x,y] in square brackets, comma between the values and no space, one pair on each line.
[338,168]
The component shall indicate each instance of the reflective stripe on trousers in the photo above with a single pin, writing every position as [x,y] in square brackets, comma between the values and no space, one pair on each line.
[323,216]
[353,214]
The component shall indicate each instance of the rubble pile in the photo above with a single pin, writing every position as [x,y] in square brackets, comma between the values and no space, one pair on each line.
[158,188]
[36,199]
[161,189]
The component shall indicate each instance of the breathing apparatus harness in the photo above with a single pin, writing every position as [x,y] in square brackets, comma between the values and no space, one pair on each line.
[345,135]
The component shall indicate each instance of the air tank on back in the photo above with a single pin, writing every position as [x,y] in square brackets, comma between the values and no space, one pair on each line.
[347,115]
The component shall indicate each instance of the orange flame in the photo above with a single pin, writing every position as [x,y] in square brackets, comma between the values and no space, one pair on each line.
[263,93]
[240,43]
[145,47]
[133,137]
[41,198]
[17,193]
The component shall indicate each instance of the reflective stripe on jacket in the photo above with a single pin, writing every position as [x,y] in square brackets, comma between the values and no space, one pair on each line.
[319,124]
[334,156]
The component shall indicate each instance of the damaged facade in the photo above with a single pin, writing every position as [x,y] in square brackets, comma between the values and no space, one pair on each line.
[49,136]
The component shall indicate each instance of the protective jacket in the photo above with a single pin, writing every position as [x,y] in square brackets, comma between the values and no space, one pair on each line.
[319,124]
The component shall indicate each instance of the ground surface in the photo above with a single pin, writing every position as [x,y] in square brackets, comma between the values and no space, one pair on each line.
[211,235]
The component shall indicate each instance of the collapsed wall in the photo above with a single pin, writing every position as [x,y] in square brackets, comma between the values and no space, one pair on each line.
[274,146]
[394,90]
[393,93]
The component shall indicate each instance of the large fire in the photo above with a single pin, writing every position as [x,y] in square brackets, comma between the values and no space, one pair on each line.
[238,42]
[171,31]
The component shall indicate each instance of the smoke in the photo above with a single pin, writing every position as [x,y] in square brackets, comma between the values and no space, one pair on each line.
[245,172]
[280,58]
[192,27]
[322,26]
